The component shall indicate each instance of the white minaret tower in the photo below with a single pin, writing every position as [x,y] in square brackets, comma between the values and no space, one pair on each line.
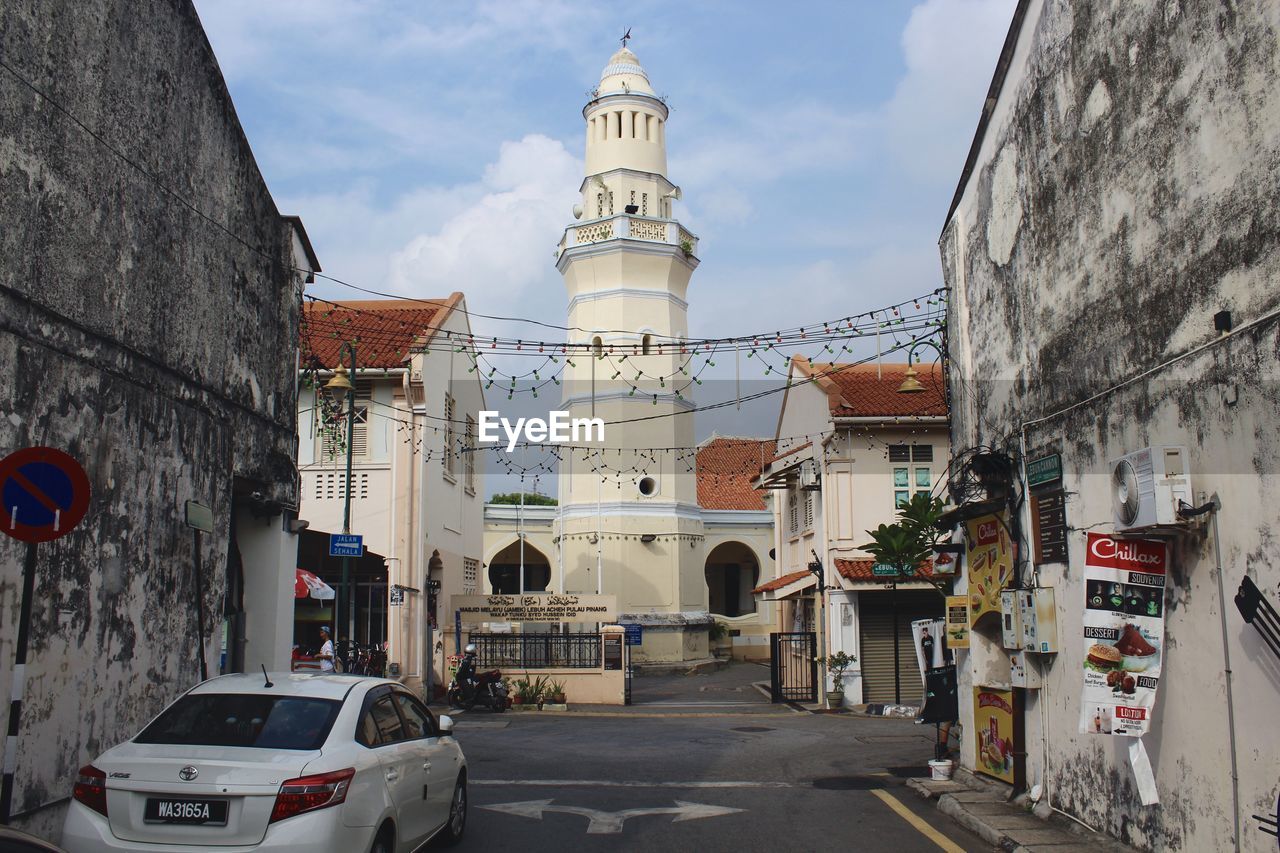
[629,519]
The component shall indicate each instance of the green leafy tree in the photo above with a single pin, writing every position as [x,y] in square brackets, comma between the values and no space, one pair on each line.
[908,543]
[530,499]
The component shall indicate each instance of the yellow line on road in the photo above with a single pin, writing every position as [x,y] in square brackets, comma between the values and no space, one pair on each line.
[916,821]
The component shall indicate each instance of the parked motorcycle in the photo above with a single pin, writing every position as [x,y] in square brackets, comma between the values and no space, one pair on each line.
[470,688]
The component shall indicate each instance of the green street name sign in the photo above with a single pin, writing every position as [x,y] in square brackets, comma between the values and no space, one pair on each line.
[1046,469]
[884,570]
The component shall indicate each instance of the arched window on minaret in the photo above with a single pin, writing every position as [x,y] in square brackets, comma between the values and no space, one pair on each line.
[597,347]
[644,345]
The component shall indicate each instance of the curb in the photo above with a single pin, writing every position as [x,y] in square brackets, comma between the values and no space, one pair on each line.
[990,815]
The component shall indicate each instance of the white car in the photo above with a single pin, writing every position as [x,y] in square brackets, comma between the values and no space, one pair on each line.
[288,761]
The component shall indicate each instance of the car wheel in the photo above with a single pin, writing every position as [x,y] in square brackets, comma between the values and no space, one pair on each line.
[385,842]
[457,822]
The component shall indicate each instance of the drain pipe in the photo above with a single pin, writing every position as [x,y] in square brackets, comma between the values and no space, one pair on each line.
[1216,506]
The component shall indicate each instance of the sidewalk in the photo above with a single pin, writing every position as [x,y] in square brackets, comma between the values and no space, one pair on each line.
[986,812]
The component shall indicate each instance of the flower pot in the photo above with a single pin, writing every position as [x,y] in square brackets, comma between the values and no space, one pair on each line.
[558,699]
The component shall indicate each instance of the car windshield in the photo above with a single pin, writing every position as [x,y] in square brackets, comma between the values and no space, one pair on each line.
[241,719]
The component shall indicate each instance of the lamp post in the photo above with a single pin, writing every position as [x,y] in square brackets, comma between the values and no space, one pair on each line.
[339,387]
[911,385]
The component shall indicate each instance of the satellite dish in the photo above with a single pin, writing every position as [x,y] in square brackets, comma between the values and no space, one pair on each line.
[1124,492]
[577,211]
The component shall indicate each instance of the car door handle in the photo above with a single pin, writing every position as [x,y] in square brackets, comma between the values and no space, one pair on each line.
[426,765]
[393,775]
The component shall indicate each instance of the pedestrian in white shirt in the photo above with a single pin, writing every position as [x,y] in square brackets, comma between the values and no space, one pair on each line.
[326,651]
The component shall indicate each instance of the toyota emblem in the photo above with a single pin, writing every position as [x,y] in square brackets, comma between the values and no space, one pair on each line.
[188,773]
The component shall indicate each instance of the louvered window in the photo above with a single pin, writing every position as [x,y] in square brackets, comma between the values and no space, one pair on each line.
[899,453]
[470,575]
[808,510]
[793,511]
[469,456]
[450,450]
[333,436]
[922,453]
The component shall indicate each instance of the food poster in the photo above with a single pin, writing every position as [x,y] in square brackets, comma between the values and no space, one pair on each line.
[993,723]
[1123,633]
[989,557]
[957,621]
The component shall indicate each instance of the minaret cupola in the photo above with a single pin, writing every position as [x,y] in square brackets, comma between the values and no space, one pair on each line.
[626,121]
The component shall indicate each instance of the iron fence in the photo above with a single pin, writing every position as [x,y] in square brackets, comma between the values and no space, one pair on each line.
[537,651]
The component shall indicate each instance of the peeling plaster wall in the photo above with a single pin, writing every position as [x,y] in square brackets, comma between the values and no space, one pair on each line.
[1124,192]
[139,337]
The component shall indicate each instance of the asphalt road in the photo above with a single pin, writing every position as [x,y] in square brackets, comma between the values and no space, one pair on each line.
[673,777]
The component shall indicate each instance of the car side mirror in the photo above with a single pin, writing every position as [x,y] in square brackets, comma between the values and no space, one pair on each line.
[446,725]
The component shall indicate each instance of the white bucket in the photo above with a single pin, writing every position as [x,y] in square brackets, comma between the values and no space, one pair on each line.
[941,770]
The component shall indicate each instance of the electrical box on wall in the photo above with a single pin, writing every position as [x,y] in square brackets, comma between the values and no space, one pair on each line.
[1010,620]
[1038,620]
[1023,673]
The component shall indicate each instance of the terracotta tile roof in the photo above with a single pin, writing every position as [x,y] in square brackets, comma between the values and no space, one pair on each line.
[870,390]
[779,583]
[726,467]
[383,330]
[859,569]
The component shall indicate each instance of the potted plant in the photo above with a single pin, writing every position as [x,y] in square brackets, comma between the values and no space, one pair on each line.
[836,665]
[557,692]
[520,691]
[538,691]
[718,634]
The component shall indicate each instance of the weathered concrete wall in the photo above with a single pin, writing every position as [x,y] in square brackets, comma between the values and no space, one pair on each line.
[144,340]
[1124,192]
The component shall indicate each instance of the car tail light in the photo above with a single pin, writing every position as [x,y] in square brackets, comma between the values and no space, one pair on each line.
[308,793]
[91,788]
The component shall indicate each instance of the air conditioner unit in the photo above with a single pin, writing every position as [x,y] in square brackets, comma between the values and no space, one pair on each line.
[1147,486]
[809,475]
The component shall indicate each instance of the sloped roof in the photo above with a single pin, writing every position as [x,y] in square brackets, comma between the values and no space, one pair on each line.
[383,330]
[779,583]
[859,569]
[870,390]
[726,467]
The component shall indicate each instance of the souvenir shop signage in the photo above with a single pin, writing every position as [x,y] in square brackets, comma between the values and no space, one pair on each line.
[993,722]
[1123,633]
[989,558]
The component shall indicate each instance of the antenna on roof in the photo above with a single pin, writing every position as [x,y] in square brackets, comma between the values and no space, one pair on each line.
[266,677]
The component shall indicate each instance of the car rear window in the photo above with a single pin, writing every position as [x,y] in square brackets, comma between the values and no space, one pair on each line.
[249,720]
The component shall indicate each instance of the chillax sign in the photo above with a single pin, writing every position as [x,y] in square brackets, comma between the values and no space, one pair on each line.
[542,607]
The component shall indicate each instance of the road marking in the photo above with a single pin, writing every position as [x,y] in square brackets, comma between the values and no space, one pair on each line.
[606,823]
[614,783]
[917,822]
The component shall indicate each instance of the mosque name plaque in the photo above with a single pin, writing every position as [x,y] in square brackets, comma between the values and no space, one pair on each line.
[540,607]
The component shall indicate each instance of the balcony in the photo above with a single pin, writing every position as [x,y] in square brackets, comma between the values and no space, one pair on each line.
[629,227]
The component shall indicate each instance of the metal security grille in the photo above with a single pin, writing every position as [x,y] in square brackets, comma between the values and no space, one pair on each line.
[793,667]
[537,651]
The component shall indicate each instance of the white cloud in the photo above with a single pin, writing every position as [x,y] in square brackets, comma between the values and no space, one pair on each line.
[499,245]
[951,48]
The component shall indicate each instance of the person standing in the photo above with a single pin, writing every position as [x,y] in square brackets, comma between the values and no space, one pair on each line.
[326,651]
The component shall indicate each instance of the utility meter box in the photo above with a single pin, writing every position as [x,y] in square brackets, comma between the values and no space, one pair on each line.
[1010,620]
[1038,620]
[1022,672]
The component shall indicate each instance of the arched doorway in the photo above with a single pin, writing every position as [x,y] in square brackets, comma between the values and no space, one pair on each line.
[732,571]
[504,570]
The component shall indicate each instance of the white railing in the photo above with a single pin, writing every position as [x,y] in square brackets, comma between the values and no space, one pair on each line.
[632,228]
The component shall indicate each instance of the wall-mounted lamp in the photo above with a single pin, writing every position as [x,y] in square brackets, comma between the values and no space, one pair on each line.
[648,537]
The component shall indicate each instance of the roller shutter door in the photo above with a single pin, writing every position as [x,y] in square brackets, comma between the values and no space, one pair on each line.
[875,618]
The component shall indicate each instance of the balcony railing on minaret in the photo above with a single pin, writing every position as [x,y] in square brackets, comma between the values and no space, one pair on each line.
[629,226]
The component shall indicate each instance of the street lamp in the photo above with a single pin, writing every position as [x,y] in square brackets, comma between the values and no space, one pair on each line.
[338,388]
[910,384]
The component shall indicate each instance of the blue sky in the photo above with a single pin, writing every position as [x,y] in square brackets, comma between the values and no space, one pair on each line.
[432,147]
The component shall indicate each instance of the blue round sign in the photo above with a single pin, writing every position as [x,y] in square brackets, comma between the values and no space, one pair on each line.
[44,493]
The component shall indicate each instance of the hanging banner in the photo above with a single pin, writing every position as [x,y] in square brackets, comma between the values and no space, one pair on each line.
[989,558]
[957,621]
[926,636]
[993,722]
[1123,633]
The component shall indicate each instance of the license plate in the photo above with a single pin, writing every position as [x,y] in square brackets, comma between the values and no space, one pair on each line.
[201,812]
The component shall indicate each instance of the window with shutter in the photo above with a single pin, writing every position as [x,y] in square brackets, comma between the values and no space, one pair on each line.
[808,510]
[333,436]
[450,450]
[922,453]
[793,511]
[899,453]
[469,457]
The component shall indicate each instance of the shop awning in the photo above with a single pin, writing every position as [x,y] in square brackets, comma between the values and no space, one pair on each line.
[307,585]
[786,586]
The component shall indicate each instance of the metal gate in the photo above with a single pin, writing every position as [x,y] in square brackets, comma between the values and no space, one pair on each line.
[793,667]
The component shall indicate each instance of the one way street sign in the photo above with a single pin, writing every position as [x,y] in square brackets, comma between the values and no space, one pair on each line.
[602,822]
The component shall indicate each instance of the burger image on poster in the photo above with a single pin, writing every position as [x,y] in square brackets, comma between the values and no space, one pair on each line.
[1104,657]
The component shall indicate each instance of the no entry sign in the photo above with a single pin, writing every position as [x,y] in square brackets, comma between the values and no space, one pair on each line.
[44,493]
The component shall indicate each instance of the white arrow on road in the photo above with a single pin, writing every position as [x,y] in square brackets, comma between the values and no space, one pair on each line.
[601,822]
